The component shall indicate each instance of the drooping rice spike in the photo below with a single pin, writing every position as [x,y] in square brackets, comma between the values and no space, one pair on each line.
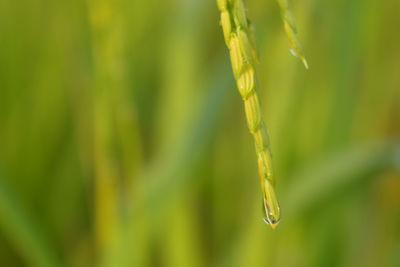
[289,24]
[240,40]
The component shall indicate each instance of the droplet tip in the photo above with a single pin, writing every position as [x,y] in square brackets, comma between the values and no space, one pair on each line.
[272,225]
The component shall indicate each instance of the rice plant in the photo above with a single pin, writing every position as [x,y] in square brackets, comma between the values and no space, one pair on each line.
[236,28]
[114,149]
[291,31]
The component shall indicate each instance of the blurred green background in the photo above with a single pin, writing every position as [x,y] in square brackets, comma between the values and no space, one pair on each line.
[123,140]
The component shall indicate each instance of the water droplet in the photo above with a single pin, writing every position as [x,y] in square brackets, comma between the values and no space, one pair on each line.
[293,53]
[270,218]
[271,208]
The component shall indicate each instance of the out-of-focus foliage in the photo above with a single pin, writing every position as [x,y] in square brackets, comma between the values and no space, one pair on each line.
[123,139]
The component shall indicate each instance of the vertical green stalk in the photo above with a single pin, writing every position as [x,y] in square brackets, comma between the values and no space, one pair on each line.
[241,43]
[105,26]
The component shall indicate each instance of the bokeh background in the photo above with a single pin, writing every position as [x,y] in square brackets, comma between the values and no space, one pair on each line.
[123,139]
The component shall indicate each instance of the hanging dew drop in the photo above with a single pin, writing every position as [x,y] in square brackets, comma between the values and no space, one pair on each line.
[269,218]
[271,208]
